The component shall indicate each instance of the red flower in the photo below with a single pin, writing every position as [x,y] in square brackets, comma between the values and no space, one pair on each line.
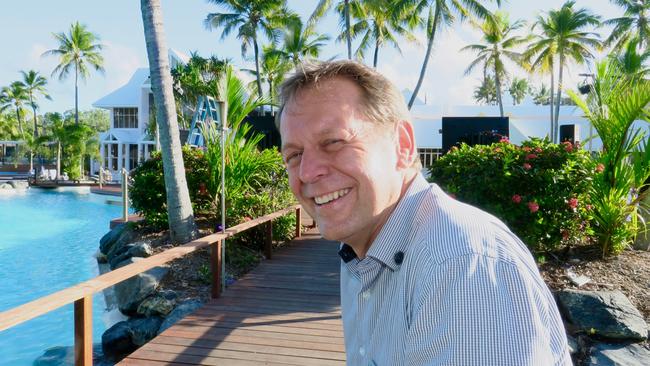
[600,167]
[516,198]
[497,149]
[527,166]
[573,202]
[533,206]
[504,139]
[538,150]
[568,147]
[531,156]
[589,207]
[526,148]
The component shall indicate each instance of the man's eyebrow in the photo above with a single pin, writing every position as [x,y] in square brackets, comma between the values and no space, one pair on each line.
[289,145]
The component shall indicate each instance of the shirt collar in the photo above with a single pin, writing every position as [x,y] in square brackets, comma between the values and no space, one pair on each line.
[395,235]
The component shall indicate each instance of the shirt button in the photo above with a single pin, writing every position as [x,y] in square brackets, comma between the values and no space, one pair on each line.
[362,351]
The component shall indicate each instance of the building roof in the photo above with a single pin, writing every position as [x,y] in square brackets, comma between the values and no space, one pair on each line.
[122,136]
[127,95]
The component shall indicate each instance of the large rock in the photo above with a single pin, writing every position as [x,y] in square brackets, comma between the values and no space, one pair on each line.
[606,314]
[110,238]
[156,305]
[603,354]
[124,337]
[140,249]
[19,184]
[131,292]
[144,329]
[182,310]
[64,356]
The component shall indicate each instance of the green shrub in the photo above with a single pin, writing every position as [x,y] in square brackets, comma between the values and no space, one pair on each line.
[147,191]
[539,189]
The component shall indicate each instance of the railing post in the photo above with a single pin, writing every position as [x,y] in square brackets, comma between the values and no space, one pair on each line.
[298,219]
[268,242]
[125,195]
[83,331]
[215,268]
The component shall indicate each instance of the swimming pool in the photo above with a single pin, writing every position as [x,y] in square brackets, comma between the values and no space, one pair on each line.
[47,243]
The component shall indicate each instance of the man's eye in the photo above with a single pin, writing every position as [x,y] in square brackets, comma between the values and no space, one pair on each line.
[293,157]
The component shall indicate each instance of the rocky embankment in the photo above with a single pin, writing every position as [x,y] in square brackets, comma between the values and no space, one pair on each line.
[150,310]
[13,185]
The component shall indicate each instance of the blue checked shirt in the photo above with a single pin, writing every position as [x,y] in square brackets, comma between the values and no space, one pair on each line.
[445,283]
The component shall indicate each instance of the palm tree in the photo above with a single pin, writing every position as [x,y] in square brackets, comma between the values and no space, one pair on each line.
[378,24]
[486,93]
[497,46]
[441,14]
[630,61]
[249,16]
[273,68]
[325,5]
[179,207]
[562,38]
[635,22]
[14,96]
[34,84]
[518,90]
[57,134]
[77,52]
[300,44]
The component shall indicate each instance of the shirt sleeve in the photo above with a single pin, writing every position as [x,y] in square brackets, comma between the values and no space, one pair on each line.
[477,310]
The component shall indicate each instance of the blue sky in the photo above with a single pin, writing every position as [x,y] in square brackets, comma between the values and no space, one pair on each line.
[28,25]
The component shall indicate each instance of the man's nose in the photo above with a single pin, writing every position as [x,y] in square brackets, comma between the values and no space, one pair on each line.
[313,166]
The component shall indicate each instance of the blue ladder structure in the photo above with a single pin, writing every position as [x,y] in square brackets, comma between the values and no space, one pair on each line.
[207,112]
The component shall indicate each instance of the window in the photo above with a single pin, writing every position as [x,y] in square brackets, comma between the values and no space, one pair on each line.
[125,117]
[113,157]
[133,156]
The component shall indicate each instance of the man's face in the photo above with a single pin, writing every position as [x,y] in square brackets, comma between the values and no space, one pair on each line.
[342,168]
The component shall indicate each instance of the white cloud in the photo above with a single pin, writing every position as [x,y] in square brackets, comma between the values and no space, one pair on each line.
[120,62]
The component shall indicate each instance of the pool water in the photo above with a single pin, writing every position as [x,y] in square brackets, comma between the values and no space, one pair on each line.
[47,243]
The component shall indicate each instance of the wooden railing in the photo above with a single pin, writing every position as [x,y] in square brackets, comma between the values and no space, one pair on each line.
[81,294]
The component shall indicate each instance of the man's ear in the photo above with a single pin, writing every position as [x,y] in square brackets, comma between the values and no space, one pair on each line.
[406,152]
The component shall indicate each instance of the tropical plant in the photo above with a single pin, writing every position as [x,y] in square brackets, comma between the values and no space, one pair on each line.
[273,69]
[300,43]
[498,46]
[249,17]
[539,189]
[486,93]
[562,37]
[9,127]
[378,23]
[518,90]
[613,107]
[179,206]
[541,95]
[14,96]
[634,23]
[440,14]
[343,9]
[77,52]
[57,134]
[34,84]
[631,61]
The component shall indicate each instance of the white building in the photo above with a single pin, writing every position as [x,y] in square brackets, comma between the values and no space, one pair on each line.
[127,142]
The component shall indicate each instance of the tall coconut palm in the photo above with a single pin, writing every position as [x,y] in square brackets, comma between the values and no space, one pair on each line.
[14,96]
[249,17]
[632,62]
[77,52]
[498,45]
[179,207]
[635,22]
[34,84]
[518,90]
[325,5]
[563,35]
[440,15]
[300,43]
[378,24]
[486,93]
[273,68]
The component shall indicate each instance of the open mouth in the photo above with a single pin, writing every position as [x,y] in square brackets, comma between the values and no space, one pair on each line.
[330,197]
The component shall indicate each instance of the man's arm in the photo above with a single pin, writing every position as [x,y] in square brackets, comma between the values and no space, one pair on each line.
[477,310]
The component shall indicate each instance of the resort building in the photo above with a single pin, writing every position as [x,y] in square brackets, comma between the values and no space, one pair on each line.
[128,140]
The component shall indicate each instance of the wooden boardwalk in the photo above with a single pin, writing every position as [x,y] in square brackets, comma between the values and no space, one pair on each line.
[284,312]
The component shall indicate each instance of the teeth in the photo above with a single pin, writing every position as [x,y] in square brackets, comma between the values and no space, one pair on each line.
[331,196]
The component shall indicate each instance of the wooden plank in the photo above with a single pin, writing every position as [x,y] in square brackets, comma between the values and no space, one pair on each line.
[83,331]
[183,359]
[268,240]
[298,221]
[215,268]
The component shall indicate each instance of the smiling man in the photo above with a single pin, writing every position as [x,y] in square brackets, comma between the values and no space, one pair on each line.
[425,279]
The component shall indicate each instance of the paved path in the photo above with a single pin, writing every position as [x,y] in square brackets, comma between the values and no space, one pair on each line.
[284,312]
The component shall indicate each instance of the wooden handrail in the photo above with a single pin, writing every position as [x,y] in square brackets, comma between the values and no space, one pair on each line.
[81,294]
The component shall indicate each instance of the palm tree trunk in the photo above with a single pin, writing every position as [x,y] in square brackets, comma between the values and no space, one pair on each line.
[497,81]
[257,67]
[20,123]
[31,99]
[179,207]
[551,134]
[76,94]
[271,96]
[427,55]
[556,125]
[58,159]
[347,28]
[374,62]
